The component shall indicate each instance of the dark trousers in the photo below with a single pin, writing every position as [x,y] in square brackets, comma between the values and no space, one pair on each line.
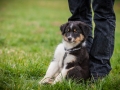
[101,46]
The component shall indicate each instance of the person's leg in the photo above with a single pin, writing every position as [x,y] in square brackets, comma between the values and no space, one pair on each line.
[103,42]
[81,11]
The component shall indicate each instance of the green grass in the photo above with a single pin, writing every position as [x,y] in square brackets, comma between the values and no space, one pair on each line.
[29,34]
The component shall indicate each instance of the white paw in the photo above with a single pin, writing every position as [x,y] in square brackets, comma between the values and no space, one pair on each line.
[46,81]
[57,79]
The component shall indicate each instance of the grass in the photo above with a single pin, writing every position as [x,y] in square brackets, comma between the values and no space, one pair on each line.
[29,33]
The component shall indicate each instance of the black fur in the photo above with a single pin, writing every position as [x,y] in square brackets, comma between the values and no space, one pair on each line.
[82,26]
[63,27]
[80,67]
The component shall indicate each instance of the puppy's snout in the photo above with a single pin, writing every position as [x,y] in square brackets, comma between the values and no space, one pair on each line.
[69,38]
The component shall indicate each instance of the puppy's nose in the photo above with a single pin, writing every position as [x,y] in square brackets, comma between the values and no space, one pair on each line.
[69,38]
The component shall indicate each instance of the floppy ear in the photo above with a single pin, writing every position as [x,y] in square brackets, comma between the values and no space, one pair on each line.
[85,29]
[62,28]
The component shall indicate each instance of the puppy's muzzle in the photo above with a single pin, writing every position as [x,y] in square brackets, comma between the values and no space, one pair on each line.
[69,39]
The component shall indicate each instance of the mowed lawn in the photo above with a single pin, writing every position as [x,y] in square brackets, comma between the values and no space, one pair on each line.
[29,34]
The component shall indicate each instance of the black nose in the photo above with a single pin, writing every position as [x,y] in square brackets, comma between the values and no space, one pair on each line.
[69,38]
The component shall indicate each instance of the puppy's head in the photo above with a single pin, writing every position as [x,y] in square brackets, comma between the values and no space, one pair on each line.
[74,31]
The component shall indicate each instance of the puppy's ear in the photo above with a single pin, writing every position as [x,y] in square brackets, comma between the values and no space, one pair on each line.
[85,29]
[63,27]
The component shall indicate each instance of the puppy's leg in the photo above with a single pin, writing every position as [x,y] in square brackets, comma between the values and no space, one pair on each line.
[54,65]
[52,70]
[61,76]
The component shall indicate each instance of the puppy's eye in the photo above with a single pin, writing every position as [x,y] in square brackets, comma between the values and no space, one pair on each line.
[68,30]
[75,30]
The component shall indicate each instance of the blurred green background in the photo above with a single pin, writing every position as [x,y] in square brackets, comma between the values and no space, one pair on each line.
[29,34]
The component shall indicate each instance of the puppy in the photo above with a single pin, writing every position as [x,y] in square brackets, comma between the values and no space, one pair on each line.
[71,59]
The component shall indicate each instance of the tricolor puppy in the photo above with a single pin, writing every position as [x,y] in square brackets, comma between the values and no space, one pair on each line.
[71,59]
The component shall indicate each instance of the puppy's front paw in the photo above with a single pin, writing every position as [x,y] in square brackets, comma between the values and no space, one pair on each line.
[57,79]
[46,81]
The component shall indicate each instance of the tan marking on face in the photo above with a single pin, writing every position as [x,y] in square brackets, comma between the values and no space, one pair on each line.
[65,38]
[80,38]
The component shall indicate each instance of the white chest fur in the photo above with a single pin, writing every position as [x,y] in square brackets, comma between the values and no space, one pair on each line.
[59,54]
[69,58]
